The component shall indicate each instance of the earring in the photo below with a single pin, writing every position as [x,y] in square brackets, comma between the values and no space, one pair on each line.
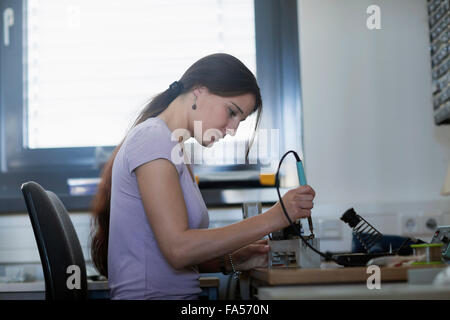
[194,106]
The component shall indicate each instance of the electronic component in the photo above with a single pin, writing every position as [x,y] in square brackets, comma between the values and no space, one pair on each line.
[442,235]
[294,253]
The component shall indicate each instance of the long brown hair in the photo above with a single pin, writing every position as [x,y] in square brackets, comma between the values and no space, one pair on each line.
[223,75]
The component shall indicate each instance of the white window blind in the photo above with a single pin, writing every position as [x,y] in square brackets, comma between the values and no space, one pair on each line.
[90,66]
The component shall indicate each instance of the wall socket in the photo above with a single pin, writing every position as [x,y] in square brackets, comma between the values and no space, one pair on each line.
[420,224]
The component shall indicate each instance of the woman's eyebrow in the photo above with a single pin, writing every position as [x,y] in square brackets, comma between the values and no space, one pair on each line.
[242,112]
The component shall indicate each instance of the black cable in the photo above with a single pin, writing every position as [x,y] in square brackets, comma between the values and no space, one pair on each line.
[327,256]
[402,245]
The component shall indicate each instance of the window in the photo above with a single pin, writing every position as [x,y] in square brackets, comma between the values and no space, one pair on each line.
[88,80]
[76,73]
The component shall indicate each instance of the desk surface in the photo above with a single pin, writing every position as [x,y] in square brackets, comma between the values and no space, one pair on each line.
[344,284]
[397,291]
[291,276]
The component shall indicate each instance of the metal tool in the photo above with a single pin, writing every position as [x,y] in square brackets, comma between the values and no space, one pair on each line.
[363,230]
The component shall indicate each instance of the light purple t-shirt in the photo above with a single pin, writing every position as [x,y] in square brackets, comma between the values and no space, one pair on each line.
[136,267]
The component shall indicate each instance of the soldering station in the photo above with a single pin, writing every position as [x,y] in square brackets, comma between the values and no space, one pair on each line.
[290,247]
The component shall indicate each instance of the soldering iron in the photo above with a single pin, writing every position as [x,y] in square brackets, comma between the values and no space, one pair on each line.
[302,180]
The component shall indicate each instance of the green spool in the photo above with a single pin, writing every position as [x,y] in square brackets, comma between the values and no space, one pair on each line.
[431,251]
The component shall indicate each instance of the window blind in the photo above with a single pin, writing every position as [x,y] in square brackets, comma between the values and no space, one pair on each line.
[90,66]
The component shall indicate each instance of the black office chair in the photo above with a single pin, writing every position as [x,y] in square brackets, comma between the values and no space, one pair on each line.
[58,244]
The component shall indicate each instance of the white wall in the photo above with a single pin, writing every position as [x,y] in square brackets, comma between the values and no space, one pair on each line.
[369,132]
[370,141]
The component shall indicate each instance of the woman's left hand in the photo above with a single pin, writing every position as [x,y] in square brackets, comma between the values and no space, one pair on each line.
[252,256]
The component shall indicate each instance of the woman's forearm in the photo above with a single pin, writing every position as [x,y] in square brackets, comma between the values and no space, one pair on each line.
[197,246]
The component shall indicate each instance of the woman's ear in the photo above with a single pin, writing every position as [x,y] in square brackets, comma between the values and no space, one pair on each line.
[196,91]
[199,90]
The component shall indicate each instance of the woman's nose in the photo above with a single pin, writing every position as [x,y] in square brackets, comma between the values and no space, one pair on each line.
[232,127]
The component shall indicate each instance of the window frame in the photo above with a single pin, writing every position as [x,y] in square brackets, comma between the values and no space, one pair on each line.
[278,71]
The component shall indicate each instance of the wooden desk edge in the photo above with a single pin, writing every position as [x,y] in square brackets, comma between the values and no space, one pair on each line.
[287,276]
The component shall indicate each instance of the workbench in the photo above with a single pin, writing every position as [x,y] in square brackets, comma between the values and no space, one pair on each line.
[337,283]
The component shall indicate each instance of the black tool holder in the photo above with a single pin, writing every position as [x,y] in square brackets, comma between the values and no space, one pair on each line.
[363,230]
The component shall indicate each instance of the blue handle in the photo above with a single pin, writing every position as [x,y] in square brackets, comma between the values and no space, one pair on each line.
[301,173]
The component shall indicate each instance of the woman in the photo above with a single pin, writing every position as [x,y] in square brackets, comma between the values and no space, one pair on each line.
[151,238]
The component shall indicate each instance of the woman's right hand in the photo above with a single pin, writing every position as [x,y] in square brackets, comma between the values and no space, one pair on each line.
[298,202]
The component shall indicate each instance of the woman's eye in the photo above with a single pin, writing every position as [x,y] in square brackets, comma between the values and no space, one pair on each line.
[231,112]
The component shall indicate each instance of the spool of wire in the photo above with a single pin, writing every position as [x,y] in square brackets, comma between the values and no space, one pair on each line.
[430,253]
[367,235]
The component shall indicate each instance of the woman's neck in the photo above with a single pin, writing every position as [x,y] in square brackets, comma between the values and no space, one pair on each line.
[176,115]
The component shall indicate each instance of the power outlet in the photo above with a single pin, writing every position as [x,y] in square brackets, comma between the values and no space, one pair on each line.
[425,224]
[430,222]
[411,225]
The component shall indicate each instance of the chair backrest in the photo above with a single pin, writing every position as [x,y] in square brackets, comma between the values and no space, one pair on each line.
[59,248]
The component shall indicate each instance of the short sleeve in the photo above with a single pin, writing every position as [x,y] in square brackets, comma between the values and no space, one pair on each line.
[147,143]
